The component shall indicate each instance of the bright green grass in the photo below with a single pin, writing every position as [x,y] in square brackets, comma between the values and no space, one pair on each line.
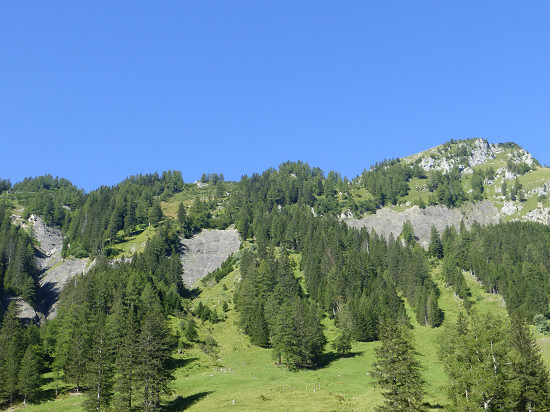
[135,243]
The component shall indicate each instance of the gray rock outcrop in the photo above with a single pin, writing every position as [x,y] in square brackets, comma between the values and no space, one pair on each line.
[387,221]
[206,251]
[55,271]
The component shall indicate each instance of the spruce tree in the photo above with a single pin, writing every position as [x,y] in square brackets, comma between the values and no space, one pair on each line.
[11,352]
[154,349]
[475,357]
[284,339]
[30,374]
[126,365]
[435,247]
[99,367]
[397,370]
[530,382]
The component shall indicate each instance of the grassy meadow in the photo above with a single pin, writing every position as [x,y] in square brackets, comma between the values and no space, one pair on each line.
[236,376]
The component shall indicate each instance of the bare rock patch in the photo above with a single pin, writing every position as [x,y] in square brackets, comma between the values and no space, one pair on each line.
[206,251]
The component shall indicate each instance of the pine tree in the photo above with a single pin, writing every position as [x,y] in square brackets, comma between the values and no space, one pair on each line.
[434,313]
[258,329]
[284,339]
[182,214]
[126,366]
[99,367]
[475,357]
[530,382]
[408,233]
[397,370]
[435,247]
[342,343]
[154,348]
[130,218]
[30,374]
[11,352]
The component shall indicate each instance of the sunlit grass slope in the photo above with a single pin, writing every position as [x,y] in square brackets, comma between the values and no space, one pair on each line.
[242,377]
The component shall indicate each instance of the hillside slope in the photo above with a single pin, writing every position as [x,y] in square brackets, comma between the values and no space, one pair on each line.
[496,167]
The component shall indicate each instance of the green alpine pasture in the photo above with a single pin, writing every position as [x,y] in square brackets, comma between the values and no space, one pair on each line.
[233,375]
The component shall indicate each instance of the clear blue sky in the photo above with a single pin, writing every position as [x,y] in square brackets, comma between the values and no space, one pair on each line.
[96,91]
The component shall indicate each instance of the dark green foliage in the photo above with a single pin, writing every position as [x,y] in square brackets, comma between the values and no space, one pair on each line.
[512,259]
[11,336]
[30,373]
[218,274]
[517,167]
[407,233]
[388,181]
[49,197]
[455,278]
[476,181]
[213,178]
[516,192]
[541,323]
[190,332]
[397,370]
[127,364]
[435,247]
[112,339]
[204,313]
[155,346]
[5,185]
[298,337]
[18,271]
[504,188]
[99,378]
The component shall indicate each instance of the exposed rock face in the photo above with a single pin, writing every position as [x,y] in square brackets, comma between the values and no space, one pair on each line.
[510,208]
[54,271]
[540,215]
[386,221]
[205,252]
[479,153]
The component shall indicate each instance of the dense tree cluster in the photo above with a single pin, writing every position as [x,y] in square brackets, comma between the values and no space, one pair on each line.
[493,366]
[94,228]
[352,275]
[110,337]
[388,181]
[300,263]
[49,197]
[512,259]
[21,362]
[18,270]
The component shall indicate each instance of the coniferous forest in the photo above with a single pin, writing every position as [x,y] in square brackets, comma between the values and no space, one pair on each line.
[309,288]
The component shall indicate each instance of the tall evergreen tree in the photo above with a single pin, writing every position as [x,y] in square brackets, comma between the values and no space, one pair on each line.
[11,352]
[397,370]
[530,383]
[155,347]
[30,374]
[475,357]
[99,367]
[435,247]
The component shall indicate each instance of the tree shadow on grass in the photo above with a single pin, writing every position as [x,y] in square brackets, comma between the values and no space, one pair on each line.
[434,406]
[47,395]
[182,403]
[192,293]
[327,358]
